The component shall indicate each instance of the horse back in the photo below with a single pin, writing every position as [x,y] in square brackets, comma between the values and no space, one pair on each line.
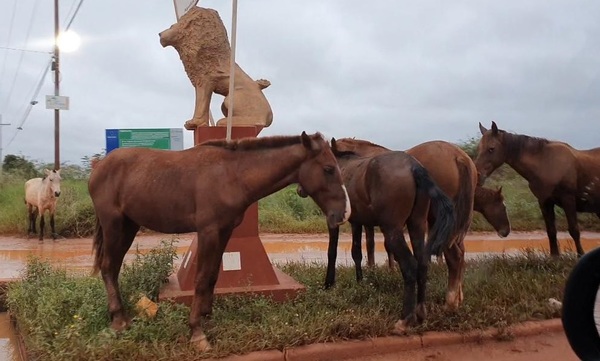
[443,161]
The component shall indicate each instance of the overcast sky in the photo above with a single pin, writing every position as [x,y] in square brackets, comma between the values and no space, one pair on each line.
[397,73]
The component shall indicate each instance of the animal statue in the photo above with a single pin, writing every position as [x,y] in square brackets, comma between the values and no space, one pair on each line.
[41,195]
[392,190]
[455,173]
[558,175]
[175,192]
[201,40]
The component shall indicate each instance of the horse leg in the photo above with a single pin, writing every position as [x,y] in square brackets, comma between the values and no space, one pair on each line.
[455,259]
[211,245]
[395,242]
[42,224]
[370,241]
[568,205]
[547,208]
[416,232]
[34,216]
[118,235]
[356,250]
[31,220]
[334,234]
[52,225]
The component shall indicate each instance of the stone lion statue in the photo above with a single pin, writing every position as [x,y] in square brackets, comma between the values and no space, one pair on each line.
[201,40]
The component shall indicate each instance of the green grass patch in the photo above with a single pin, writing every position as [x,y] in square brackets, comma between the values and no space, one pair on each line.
[64,316]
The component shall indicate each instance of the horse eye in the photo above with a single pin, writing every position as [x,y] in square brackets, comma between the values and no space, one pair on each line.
[491,150]
[329,170]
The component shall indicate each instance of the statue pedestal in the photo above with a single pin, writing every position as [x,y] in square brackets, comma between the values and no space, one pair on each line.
[245,266]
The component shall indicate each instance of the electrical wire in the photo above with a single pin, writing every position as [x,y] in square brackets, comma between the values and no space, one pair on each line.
[12,21]
[15,76]
[33,100]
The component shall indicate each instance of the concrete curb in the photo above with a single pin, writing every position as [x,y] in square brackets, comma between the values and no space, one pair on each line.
[384,345]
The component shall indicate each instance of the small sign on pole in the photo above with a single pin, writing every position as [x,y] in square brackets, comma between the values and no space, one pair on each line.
[183,6]
[57,102]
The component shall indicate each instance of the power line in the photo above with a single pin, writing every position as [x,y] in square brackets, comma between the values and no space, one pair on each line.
[10,92]
[12,21]
[33,100]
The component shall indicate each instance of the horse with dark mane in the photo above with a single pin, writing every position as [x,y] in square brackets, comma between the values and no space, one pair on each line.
[204,189]
[558,175]
[454,172]
[41,195]
[392,190]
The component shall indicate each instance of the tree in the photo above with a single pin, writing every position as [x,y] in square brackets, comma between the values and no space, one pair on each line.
[470,146]
[19,165]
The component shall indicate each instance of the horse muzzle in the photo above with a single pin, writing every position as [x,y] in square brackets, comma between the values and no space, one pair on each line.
[57,194]
[503,233]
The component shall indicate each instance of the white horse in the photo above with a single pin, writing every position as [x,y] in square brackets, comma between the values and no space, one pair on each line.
[40,195]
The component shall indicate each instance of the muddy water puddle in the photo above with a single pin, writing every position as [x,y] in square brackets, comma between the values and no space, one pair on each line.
[9,350]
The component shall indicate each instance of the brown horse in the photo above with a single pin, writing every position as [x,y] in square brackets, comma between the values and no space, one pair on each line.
[392,190]
[205,189]
[557,174]
[455,173]
[490,203]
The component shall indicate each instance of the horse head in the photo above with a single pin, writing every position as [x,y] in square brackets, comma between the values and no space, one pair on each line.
[320,178]
[54,181]
[491,152]
[490,203]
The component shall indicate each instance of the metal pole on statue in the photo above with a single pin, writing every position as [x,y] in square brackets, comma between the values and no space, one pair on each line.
[232,67]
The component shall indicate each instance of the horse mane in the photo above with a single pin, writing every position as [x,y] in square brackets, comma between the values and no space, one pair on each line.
[244,144]
[363,142]
[517,144]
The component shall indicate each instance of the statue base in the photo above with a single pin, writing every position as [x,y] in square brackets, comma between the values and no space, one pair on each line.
[245,266]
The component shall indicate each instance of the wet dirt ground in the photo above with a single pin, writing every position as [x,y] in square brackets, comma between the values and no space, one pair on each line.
[76,254]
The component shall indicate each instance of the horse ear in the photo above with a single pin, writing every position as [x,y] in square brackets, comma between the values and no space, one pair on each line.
[482,129]
[494,128]
[499,190]
[306,140]
[333,145]
[47,172]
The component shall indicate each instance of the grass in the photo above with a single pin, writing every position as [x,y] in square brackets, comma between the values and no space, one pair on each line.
[281,212]
[64,316]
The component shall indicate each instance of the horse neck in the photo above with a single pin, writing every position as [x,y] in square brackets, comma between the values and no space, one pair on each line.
[523,153]
[263,172]
[46,188]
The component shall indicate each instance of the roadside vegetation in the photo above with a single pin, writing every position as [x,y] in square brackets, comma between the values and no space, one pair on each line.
[64,316]
[282,212]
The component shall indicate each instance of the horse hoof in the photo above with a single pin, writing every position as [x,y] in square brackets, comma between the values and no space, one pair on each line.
[401,328]
[119,325]
[200,343]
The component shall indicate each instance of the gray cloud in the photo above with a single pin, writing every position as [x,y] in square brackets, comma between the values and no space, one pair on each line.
[394,73]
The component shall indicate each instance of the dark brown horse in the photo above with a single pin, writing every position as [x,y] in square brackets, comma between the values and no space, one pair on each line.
[557,174]
[205,189]
[392,190]
[455,173]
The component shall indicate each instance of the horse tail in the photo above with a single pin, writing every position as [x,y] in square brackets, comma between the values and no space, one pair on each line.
[463,201]
[97,247]
[440,234]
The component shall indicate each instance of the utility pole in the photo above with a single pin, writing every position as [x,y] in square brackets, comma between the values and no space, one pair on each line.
[1,159]
[56,68]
